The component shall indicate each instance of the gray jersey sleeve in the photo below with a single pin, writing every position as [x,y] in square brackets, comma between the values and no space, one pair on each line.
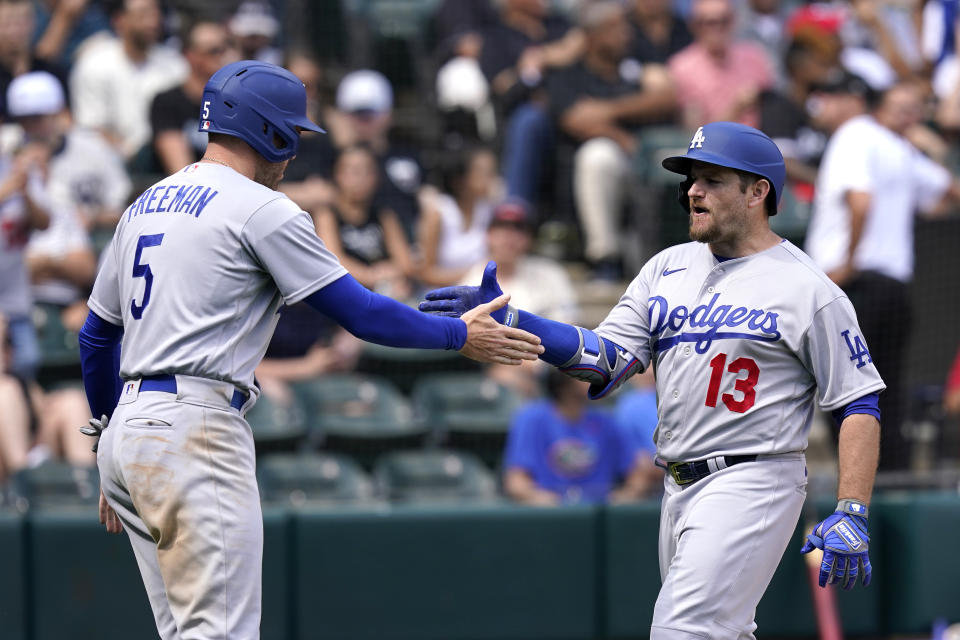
[834,351]
[283,239]
[628,323]
[105,298]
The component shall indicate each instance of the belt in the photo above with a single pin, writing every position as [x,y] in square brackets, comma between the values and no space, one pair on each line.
[168,384]
[685,473]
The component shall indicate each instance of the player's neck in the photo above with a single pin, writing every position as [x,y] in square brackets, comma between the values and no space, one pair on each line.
[746,245]
[244,164]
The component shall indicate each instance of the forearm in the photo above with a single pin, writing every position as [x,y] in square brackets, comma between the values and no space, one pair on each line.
[645,105]
[77,267]
[37,216]
[859,453]
[382,320]
[51,43]
[100,364]
[520,486]
[287,369]
[858,205]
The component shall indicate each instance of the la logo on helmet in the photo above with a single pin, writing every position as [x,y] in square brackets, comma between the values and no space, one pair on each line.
[698,139]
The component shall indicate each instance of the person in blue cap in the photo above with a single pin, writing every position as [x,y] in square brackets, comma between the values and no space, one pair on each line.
[745,335]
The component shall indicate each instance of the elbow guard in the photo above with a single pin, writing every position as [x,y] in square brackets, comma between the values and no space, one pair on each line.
[602,363]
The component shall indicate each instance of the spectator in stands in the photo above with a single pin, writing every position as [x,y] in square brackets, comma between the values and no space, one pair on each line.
[599,108]
[24,208]
[518,53]
[658,32]
[175,114]
[254,27]
[536,284]
[366,236]
[15,416]
[636,413]
[115,79]
[61,262]
[17,57]
[458,25]
[719,77]
[763,22]
[63,25]
[871,183]
[951,391]
[784,113]
[881,43]
[561,450]
[453,225]
[308,181]
[364,115]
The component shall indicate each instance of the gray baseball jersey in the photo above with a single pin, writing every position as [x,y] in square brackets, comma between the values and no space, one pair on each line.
[741,348]
[197,270]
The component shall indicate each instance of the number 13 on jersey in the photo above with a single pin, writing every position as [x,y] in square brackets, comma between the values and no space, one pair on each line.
[142,270]
[743,385]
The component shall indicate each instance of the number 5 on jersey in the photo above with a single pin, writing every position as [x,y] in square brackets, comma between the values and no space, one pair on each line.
[743,385]
[142,270]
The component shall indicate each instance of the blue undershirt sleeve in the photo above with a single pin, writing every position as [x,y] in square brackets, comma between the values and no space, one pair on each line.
[560,341]
[382,320]
[868,404]
[100,364]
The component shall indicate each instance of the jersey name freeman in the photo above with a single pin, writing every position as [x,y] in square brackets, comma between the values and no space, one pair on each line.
[172,198]
[761,323]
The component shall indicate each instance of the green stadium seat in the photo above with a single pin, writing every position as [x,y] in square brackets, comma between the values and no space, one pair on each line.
[435,475]
[657,143]
[312,478]
[58,346]
[360,415]
[793,217]
[467,402]
[56,484]
[398,365]
[275,425]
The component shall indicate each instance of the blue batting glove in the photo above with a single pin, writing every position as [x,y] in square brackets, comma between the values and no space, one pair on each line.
[455,301]
[845,543]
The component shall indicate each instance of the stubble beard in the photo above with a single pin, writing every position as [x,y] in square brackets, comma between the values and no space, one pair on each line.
[269,174]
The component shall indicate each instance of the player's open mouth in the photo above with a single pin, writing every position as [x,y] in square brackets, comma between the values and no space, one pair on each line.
[699,209]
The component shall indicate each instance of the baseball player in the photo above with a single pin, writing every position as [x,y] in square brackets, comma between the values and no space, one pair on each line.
[744,334]
[193,280]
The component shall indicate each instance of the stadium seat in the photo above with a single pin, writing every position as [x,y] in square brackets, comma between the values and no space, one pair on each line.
[361,415]
[435,475]
[312,478]
[396,365]
[58,346]
[793,217]
[276,426]
[56,484]
[466,402]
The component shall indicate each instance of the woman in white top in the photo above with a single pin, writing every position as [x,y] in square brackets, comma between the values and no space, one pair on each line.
[453,224]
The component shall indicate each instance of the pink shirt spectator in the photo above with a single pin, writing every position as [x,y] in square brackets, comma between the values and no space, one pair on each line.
[710,89]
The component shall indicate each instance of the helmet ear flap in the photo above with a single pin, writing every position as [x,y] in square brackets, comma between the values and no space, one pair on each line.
[682,196]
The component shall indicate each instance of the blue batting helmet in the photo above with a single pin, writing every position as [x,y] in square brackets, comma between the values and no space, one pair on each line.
[260,103]
[737,146]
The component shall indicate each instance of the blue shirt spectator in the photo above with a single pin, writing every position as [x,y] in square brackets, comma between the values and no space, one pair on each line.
[560,450]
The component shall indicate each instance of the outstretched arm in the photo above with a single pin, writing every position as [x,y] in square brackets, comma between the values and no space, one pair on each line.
[382,320]
[576,351]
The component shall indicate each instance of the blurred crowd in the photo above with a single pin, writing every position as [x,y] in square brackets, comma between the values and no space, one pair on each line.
[529,134]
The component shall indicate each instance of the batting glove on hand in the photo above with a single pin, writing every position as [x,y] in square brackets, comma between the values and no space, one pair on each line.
[94,428]
[845,542]
[453,302]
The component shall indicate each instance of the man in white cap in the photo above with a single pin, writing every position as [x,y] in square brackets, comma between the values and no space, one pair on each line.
[364,115]
[84,185]
[23,209]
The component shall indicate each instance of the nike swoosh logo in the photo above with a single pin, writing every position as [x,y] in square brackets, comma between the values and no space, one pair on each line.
[667,272]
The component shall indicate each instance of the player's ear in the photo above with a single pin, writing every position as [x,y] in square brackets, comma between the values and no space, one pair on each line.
[759,191]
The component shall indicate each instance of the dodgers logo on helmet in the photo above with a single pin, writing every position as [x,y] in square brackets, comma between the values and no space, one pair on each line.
[734,145]
[260,103]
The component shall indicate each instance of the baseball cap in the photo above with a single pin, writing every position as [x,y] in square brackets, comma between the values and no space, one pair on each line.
[364,90]
[513,212]
[254,19]
[37,93]
[847,83]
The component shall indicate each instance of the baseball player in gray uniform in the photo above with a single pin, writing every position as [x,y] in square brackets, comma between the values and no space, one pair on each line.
[744,334]
[192,283]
